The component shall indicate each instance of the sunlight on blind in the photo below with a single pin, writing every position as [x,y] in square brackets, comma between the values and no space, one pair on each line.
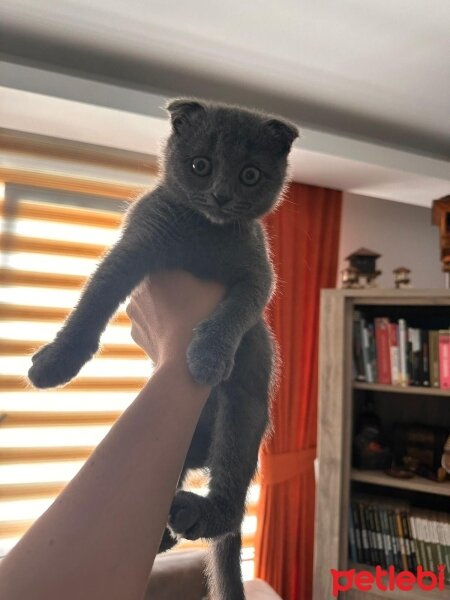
[45,436]
[47,251]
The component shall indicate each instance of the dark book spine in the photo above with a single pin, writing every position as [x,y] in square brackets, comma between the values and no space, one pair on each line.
[352,537]
[375,558]
[364,533]
[410,550]
[433,343]
[379,531]
[358,533]
[358,351]
[401,538]
[387,536]
[416,357]
[424,337]
[409,357]
[395,540]
[373,351]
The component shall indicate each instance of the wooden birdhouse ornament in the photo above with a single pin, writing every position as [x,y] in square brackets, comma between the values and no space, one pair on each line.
[364,261]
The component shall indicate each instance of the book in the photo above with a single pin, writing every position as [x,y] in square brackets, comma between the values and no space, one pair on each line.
[403,351]
[365,339]
[425,370]
[358,533]
[394,354]
[352,538]
[444,359]
[358,359]
[433,341]
[416,356]
[383,358]
[398,535]
[372,351]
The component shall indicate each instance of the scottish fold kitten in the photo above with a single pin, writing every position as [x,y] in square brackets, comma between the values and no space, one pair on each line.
[224,167]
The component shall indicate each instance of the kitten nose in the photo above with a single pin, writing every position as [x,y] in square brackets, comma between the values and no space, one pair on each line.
[221,199]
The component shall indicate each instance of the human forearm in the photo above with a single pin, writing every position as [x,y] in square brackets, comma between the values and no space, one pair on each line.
[99,539]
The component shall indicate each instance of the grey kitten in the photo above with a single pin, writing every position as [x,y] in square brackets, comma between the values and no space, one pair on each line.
[224,168]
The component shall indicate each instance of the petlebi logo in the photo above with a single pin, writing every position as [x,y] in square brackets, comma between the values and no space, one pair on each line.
[388,579]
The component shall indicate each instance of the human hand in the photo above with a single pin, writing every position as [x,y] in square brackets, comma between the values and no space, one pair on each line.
[165,309]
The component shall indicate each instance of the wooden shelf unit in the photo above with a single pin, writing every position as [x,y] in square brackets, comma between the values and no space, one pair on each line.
[339,396]
[398,389]
[416,484]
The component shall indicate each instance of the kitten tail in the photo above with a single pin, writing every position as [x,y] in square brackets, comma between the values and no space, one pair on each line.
[224,568]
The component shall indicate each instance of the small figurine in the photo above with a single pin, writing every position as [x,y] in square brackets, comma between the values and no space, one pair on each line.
[369,449]
[402,279]
[350,278]
[364,261]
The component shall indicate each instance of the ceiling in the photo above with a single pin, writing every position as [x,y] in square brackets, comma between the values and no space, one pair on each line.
[376,71]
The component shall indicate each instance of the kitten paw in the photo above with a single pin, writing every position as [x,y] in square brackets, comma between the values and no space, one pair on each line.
[57,363]
[209,359]
[185,518]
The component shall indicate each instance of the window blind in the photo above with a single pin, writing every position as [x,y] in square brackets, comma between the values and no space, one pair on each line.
[48,249]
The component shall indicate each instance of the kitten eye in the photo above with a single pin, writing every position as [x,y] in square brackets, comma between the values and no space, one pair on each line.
[201,166]
[250,175]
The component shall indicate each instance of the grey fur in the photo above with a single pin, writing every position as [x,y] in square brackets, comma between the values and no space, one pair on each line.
[207,224]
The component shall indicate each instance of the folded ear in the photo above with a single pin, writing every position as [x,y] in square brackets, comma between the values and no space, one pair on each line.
[183,111]
[283,132]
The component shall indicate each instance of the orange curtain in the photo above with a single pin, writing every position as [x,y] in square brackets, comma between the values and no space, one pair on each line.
[304,237]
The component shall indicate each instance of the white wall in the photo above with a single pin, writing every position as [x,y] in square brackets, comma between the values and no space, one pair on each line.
[401,233]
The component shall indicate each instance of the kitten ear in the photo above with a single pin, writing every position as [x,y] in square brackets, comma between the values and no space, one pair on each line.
[182,112]
[283,132]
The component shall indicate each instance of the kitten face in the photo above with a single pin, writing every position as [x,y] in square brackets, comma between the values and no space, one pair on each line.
[229,163]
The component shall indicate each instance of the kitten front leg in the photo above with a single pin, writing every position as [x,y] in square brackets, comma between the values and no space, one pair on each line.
[118,274]
[211,352]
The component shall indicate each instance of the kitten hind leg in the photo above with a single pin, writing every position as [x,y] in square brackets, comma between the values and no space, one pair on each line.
[240,425]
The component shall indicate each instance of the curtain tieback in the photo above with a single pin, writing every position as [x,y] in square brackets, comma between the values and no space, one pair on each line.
[276,468]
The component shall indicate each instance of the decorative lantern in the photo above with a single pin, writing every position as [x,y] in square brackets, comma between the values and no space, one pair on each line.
[402,279]
[364,261]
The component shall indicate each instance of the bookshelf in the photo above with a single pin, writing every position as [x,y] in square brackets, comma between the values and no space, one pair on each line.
[340,400]
[417,484]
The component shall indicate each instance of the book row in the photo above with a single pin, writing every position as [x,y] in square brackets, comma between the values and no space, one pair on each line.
[397,354]
[385,533]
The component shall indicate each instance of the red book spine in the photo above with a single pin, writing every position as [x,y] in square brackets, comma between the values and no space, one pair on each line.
[383,351]
[444,359]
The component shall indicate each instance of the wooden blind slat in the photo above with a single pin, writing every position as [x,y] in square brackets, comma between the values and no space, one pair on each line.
[20,312]
[26,455]
[50,280]
[64,214]
[11,383]
[30,491]
[14,528]
[25,348]
[15,243]
[61,419]
[117,191]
